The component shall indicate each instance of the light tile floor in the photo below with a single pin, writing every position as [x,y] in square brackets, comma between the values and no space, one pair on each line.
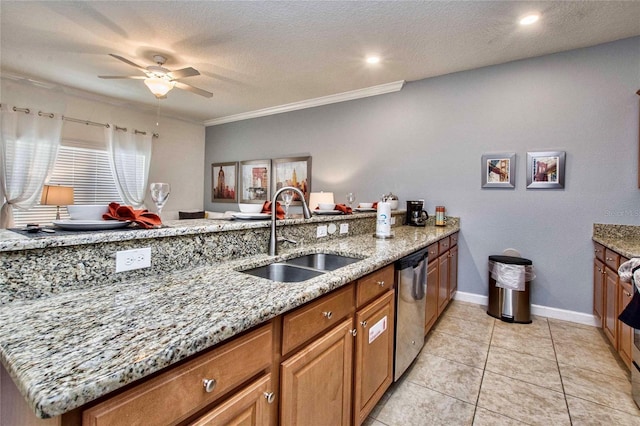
[476,370]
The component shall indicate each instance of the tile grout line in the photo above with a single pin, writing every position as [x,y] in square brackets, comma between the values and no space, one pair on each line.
[484,369]
[555,354]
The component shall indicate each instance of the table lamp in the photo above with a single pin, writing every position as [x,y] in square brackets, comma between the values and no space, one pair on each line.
[55,195]
[320,197]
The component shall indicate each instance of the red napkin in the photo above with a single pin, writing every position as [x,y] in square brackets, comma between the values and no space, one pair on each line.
[143,218]
[266,208]
[343,208]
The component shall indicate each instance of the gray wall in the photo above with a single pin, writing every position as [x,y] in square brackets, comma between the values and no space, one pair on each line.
[426,141]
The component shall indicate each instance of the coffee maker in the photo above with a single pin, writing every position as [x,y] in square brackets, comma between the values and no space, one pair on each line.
[416,215]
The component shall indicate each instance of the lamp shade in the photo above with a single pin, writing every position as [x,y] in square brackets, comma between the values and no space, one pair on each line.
[53,195]
[159,86]
[320,197]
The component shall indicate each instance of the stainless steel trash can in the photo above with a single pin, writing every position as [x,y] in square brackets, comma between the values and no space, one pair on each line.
[509,288]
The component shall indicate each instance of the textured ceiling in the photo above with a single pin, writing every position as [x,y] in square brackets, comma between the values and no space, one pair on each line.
[255,55]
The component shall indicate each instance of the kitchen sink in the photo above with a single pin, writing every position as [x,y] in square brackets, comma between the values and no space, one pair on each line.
[283,272]
[323,261]
[301,268]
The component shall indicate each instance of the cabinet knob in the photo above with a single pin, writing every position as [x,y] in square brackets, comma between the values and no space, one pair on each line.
[353,332]
[209,385]
[328,314]
[381,283]
[363,323]
[626,293]
[270,397]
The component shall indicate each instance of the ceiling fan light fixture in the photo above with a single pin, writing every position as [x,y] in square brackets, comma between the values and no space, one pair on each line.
[159,86]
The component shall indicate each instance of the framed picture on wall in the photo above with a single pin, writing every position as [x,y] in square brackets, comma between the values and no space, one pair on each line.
[224,182]
[255,181]
[294,172]
[499,170]
[545,170]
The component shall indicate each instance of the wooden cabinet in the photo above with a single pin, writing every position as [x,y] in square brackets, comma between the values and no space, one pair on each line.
[431,310]
[625,333]
[443,282]
[373,362]
[610,319]
[316,381]
[442,278]
[250,406]
[182,391]
[598,291]
[453,271]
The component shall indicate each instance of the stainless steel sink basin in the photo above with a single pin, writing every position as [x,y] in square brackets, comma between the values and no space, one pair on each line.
[283,272]
[323,261]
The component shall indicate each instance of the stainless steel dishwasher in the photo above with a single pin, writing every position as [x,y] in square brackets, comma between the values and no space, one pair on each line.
[411,280]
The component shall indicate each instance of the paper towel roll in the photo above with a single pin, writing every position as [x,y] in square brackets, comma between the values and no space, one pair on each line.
[383,222]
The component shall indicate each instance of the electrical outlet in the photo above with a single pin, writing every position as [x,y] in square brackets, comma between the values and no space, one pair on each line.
[322,231]
[393,220]
[127,260]
[344,228]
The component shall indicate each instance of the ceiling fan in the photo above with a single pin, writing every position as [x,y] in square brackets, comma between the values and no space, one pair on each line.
[161,80]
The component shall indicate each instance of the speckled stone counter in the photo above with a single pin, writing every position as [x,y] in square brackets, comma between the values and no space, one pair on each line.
[67,349]
[623,239]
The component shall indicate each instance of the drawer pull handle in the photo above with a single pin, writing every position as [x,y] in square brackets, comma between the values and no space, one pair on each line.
[270,397]
[328,314]
[363,323]
[381,283]
[626,293]
[209,385]
[353,332]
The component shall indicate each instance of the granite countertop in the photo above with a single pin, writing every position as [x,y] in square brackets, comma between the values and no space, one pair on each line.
[12,241]
[69,349]
[623,239]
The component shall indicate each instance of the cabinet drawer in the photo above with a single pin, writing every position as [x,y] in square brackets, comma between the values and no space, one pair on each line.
[433,252]
[454,239]
[372,285]
[443,245]
[598,250]
[180,392]
[310,320]
[612,259]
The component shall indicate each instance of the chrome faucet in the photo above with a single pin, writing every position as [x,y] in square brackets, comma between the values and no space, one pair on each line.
[273,240]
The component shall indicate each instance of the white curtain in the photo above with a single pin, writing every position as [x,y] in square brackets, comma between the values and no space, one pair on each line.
[129,157]
[28,148]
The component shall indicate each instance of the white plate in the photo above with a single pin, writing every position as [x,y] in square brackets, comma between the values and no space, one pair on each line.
[362,209]
[327,211]
[253,216]
[90,225]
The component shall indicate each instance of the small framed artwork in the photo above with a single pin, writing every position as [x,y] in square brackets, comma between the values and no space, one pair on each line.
[255,179]
[294,172]
[545,169]
[499,170]
[223,182]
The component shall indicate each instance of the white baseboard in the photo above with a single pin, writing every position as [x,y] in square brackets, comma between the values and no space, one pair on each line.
[543,311]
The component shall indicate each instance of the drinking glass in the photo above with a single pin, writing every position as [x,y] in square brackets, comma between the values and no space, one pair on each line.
[159,194]
[351,197]
[287,197]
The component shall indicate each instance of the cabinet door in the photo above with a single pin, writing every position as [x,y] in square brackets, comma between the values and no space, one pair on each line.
[431,311]
[374,355]
[316,381]
[443,282]
[610,322]
[251,406]
[453,271]
[598,290]
[625,333]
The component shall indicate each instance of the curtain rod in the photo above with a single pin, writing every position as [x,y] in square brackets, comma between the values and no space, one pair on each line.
[86,122]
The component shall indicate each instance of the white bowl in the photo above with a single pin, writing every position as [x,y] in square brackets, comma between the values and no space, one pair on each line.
[250,208]
[326,206]
[366,205]
[87,211]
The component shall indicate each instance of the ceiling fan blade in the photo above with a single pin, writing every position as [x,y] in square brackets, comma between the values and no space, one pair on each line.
[134,77]
[126,61]
[192,89]
[184,72]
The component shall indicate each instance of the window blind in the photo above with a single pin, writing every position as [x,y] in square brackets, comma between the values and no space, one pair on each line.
[87,170]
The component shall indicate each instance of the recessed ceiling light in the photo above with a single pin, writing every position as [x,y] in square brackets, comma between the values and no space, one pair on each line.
[373,59]
[529,19]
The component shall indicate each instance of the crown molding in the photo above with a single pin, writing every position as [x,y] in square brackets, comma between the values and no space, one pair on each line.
[310,103]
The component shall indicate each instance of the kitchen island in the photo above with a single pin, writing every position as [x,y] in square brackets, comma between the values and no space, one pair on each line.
[67,347]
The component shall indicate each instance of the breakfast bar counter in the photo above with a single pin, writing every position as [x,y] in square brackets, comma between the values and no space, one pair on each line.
[67,348]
